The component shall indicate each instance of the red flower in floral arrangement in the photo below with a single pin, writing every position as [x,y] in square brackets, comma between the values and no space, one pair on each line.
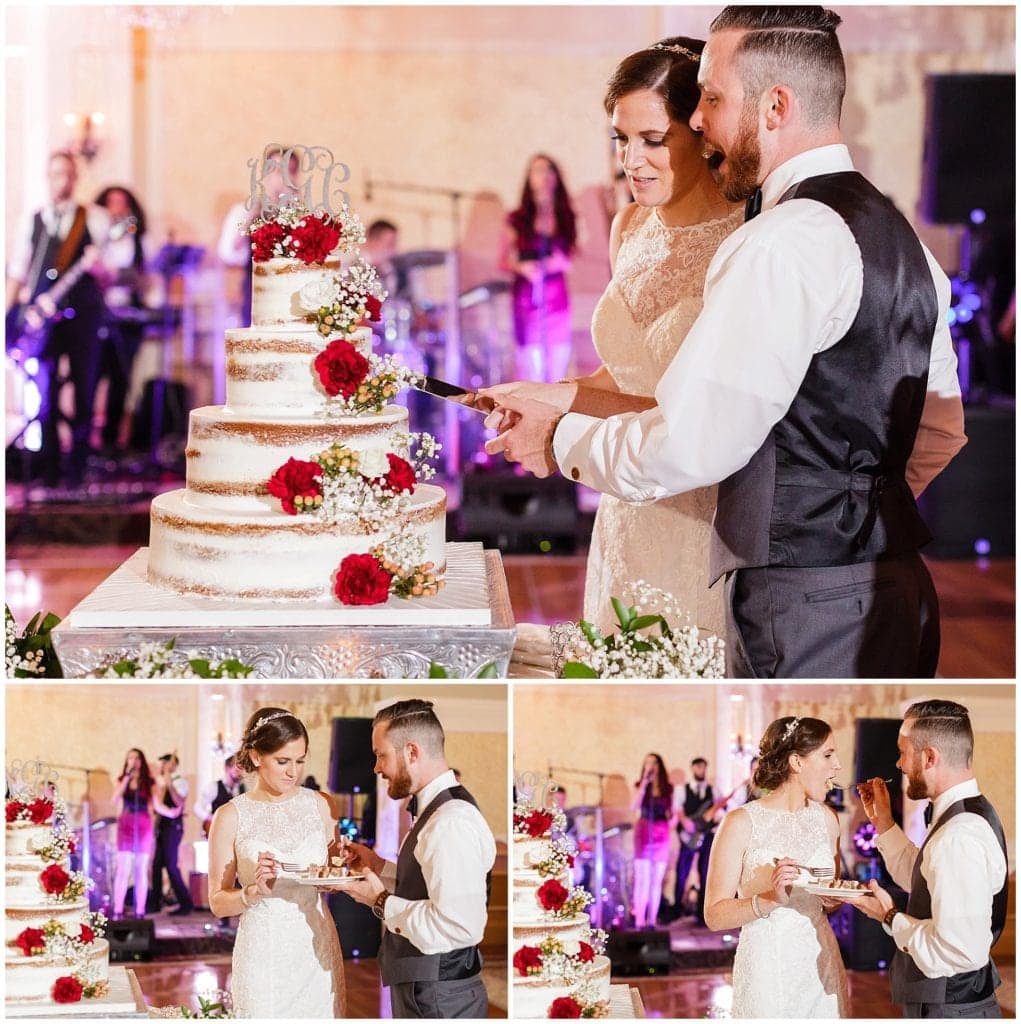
[54,879]
[565,1006]
[362,580]
[401,476]
[294,479]
[373,307]
[13,810]
[87,936]
[586,954]
[264,238]
[40,811]
[551,895]
[67,990]
[526,957]
[570,860]
[537,823]
[31,941]
[314,239]
[341,368]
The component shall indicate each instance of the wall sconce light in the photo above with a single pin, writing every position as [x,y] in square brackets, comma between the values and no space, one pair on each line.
[87,143]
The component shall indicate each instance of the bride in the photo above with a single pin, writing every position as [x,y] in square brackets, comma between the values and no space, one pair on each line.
[787,963]
[287,960]
[660,249]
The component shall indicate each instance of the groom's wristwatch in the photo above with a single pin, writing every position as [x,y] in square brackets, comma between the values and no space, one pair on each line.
[889,916]
[380,903]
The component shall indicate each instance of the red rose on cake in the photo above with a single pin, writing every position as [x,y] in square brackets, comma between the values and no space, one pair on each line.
[401,476]
[31,941]
[373,307]
[13,810]
[551,895]
[362,580]
[313,239]
[586,954]
[54,879]
[40,811]
[265,238]
[297,486]
[564,1007]
[537,823]
[527,959]
[67,990]
[87,936]
[341,368]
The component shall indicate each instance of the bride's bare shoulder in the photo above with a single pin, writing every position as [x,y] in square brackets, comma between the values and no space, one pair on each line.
[736,825]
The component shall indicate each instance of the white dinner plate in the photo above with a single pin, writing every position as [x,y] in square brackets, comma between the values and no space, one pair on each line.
[331,883]
[839,894]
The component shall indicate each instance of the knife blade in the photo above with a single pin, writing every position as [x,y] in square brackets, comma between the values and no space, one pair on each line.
[454,393]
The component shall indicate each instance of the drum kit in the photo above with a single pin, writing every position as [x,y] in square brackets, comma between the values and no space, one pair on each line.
[602,864]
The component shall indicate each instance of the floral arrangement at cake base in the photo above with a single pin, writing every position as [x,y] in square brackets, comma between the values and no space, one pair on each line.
[160,661]
[30,654]
[580,1003]
[646,646]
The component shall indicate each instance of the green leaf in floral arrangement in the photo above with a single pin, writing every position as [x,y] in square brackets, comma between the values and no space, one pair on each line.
[51,620]
[235,667]
[437,671]
[577,670]
[589,632]
[488,671]
[202,668]
[643,646]
[124,668]
[644,621]
[623,616]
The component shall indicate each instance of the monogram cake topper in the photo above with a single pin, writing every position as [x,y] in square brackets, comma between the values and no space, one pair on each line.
[31,778]
[297,176]
[536,788]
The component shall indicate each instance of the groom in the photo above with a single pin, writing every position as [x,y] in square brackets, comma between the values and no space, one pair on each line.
[818,386]
[432,902]
[957,880]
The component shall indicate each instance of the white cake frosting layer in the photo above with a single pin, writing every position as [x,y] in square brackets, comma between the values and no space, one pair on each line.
[230,458]
[31,978]
[21,880]
[271,371]
[528,851]
[22,837]
[269,554]
[531,997]
[19,916]
[524,888]
[531,931]
[275,287]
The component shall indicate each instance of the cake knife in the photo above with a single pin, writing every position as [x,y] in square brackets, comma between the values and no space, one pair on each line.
[454,393]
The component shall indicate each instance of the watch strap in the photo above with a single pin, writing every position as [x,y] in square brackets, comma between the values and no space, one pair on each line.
[380,903]
[889,916]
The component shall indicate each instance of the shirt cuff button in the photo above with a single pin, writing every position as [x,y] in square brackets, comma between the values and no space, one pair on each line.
[398,931]
[575,473]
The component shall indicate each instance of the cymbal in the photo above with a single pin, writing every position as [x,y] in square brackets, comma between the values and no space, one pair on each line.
[421,258]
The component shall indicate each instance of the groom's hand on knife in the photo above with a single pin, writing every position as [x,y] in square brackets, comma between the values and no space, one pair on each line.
[526,427]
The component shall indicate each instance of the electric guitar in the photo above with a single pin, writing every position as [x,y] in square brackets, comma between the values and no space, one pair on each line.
[28,325]
[702,819]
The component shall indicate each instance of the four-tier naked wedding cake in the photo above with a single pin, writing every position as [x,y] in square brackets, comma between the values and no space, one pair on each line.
[558,969]
[306,485]
[54,950]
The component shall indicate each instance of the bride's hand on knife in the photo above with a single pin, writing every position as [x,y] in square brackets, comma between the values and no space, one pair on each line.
[785,874]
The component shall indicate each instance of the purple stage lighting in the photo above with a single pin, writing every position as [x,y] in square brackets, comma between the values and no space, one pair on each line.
[978,216]
[982,546]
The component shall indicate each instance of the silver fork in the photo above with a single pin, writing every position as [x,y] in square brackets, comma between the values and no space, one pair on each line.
[815,872]
[857,784]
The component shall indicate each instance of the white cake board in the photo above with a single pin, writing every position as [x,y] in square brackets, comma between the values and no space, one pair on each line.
[625,1003]
[123,1000]
[126,599]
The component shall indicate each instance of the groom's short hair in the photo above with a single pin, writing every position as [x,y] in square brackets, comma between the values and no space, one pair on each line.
[412,720]
[794,45]
[945,725]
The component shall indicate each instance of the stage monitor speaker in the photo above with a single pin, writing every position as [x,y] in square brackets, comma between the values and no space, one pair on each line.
[966,167]
[876,755]
[519,514]
[863,943]
[131,940]
[639,952]
[359,929]
[970,508]
[351,758]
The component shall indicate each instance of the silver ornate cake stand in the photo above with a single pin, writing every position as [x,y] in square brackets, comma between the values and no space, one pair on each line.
[466,627]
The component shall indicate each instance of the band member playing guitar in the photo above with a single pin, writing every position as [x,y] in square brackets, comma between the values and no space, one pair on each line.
[59,242]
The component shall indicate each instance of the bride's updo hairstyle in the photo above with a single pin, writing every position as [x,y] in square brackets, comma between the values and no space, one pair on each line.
[669,68]
[782,738]
[267,731]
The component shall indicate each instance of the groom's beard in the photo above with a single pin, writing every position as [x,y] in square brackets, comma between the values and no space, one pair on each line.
[917,789]
[399,785]
[741,177]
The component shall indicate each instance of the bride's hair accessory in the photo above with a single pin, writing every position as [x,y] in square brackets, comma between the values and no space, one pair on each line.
[792,726]
[269,718]
[676,48]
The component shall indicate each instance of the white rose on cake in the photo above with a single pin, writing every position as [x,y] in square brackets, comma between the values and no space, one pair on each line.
[373,463]
[572,947]
[316,294]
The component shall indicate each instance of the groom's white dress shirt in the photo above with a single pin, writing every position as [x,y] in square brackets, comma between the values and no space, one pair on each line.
[455,849]
[782,288]
[964,868]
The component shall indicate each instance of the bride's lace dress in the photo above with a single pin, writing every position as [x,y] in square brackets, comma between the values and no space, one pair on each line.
[287,958]
[637,327]
[788,964]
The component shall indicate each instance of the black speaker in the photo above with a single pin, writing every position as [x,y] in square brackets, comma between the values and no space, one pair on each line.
[131,940]
[639,952]
[969,507]
[351,759]
[876,754]
[863,943]
[967,167]
[519,514]
[359,929]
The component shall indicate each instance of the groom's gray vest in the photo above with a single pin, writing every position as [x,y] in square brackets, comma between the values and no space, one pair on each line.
[827,485]
[907,983]
[400,960]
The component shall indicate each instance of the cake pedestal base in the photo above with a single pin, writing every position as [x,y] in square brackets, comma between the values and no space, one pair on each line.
[123,1001]
[125,611]
[625,1003]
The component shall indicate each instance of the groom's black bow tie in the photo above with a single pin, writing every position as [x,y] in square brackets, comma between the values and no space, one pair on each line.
[927,814]
[753,205]
[413,807]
